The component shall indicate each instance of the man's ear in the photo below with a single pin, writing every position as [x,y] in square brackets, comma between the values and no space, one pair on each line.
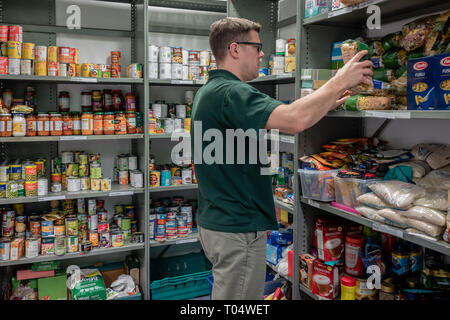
[234,50]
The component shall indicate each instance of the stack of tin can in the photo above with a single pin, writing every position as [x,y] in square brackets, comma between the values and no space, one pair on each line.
[23,178]
[126,171]
[168,175]
[283,61]
[172,219]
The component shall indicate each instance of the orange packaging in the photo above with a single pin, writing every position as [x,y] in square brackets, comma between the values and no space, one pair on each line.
[120,123]
[28,50]
[56,177]
[72,70]
[67,124]
[93,238]
[108,123]
[152,125]
[98,123]
[306,267]
[53,69]
[64,55]
[87,123]
[131,122]
[17,247]
[78,70]
[115,70]
[115,57]
[31,125]
[56,124]
[43,124]
[73,55]
[52,54]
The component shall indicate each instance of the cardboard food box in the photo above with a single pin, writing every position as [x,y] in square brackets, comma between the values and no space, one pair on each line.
[53,288]
[315,7]
[325,280]
[306,267]
[421,91]
[329,239]
[441,79]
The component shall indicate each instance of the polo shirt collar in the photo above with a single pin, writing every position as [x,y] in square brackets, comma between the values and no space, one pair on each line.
[222,73]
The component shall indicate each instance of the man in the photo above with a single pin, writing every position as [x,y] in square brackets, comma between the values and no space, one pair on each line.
[236,205]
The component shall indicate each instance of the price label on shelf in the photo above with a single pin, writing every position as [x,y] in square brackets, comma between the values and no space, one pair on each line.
[313,203]
[51,198]
[287,139]
[379,114]
[387,229]
[120,193]
[80,79]
[402,115]
[182,82]
[283,75]
[72,138]
[339,12]
[186,241]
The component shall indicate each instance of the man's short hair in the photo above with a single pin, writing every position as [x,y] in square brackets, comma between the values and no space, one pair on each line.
[229,30]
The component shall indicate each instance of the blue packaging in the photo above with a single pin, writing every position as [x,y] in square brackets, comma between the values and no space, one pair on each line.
[441,79]
[315,7]
[165,178]
[262,72]
[336,57]
[283,238]
[273,252]
[420,85]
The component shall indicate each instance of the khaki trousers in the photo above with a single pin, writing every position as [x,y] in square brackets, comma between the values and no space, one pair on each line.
[239,263]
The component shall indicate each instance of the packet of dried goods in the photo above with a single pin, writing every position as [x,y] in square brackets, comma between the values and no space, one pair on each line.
[361,102]
[393,40]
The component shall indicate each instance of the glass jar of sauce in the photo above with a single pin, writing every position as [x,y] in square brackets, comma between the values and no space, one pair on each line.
[120,123]
[98,123]
[43,124]
[56,123]
[108,123]
[5,125]
[76,123]
[31,125]
[131,122]
[67,124]
[87,123]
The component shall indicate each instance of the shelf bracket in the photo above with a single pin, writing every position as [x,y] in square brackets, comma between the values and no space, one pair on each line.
[381,128]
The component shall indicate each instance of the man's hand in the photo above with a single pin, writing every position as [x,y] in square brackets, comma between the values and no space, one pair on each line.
[355,72]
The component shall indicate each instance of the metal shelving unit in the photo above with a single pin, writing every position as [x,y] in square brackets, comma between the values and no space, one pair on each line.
[38,19]
[179,187]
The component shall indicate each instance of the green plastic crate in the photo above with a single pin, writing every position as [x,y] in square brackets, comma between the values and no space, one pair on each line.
[178,265]
[181,287]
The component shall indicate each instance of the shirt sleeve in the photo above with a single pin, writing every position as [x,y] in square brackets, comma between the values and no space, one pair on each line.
[247,108]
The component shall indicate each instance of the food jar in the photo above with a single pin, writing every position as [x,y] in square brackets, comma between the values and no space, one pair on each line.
[43,124]
[131,122]
[55,124]
[120,123]
[108,123]
[67,124]
[117,100]
[130,102]
[107,100]
[5,125]
[97,101]
[87,123]
[19,125]
[64,101]
[7,95]
[98,123]
[31,125]
[76,123]
[86,100]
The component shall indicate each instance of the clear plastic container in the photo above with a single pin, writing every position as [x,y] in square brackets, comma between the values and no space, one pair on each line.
[318,185]
[348,189]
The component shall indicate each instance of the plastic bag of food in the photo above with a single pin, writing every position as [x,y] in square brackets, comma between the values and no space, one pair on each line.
[375,48]
[351,2]
[436,180]
[370,199]
[378,88]
[418,233]
[398,194]
[383,74]
[437,155]
[393,216]
[360,102]
[401,72]
[416,32]
[434,200]
[429,215]
[90,286]
[350,48]
[419,168]
[393,40]
[377,62]
[394,58]
[370,213]
[428,228]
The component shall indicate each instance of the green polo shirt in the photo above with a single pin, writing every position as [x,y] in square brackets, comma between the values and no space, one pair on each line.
[233,194]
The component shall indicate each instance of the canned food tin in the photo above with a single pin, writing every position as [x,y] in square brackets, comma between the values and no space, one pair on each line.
[105,184]
[31,188]
[153,70]
[30,172]
[26,67]
[15,33]
[93,238]
[20,224]
[52,54]
[165,55]
[185,72]
[137,237]
[60,245]
[67,157]
[153,52]
[203,73]
[123,177]
[125,223]
[177,72]
[48,246]
[64,55]
[178,125]
[132,162]
[165,71]
[96,171]
[56,187]
[40,54]
[187,124]
[95,184]
[11,190]
[168,125]
[102,226]
[21,189]
[138,179]
[14,50]
[4,33]
[194,57]
[4,65]
[4,173]
[40,68]
[280,46]
[72,244]
[60,230]
[32,247]
[3,186]
[35,226]
[8,222]
[16,171]
[73,184]
[185,54]
[186,176]
[85,246]
[204,58]
[180,111]
[63,67]
[28,50]
[13,66]
[92,222]
[104,240]
[194,72]
[5,249]
[122,163]
[155,177]
[47,228]
[72,226]
[53,69]
[165,178]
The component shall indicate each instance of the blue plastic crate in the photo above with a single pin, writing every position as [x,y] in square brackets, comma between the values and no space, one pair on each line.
[181,287]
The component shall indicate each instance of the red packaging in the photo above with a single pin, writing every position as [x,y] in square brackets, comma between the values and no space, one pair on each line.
[329,239]
[115,57]
[325,280]
[3,65]
[354,245]
[64,55]
[72,55]
[15,33]
[72,70]
[4,33]
[388,241]
[115,71]
[353,228]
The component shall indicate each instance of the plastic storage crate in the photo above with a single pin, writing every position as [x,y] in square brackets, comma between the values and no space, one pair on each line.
[179,277]
[348,189]
[318,185]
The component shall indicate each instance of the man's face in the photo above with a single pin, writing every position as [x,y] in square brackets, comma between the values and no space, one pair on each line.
[251,57]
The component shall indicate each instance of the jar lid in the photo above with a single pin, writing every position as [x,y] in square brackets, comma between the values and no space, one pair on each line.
[130,112]
[348,281]
[65,113]
[5,114]
[88,112]
[85,91]
[387,287]
[55,114]
[100,113]
[109,112]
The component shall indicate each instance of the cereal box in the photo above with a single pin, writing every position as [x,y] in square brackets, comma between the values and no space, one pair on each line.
[315,7]
[441,79]
[420,86]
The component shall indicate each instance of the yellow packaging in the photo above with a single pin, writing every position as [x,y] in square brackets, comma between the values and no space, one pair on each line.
[40,68]
[4,49]
[152,125]
[364,293]
[289,64]
[86,69]
[52,54]
[187,124]
[77,69]
[75,58]
[318,83]
[28,50]
[14,49]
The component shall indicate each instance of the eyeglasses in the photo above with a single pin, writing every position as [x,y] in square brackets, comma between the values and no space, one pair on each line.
[258,44]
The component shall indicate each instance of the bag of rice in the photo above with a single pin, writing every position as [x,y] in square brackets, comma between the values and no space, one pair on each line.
[434,200]
[435,154]
[370,213]
[395,216]
[90,286]
[370,199]
[428,228]
[436,180]
[419,168]
[418,233]
[426,214]
[397,194]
